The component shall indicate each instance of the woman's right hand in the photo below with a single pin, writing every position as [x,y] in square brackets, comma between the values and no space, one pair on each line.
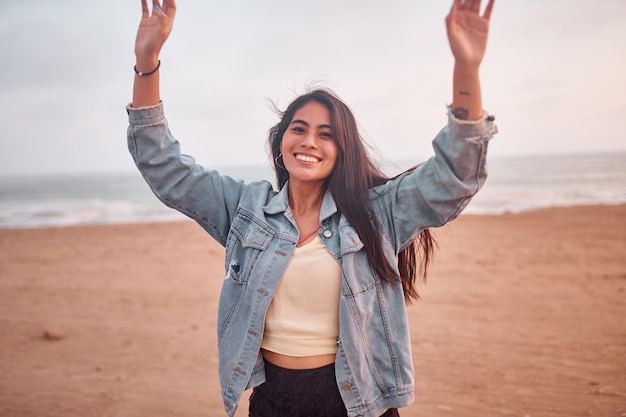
[151,35]
[153,31]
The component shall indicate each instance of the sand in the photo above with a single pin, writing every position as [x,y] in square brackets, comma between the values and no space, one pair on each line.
[522,315]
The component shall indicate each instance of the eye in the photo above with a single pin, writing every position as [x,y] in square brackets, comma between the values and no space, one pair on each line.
[326,135]
[297,129]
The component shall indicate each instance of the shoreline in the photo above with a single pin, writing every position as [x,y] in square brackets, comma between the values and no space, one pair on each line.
[522,314]
[184,219]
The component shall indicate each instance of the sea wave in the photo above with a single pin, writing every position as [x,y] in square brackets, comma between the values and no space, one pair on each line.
[67,212]
[515,184]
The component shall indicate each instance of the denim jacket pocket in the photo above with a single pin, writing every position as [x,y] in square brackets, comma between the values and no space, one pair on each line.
[246,242]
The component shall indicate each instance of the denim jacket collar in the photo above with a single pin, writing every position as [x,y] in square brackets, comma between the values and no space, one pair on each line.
[280,203]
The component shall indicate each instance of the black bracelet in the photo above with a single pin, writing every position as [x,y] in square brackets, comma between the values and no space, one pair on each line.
[144,74]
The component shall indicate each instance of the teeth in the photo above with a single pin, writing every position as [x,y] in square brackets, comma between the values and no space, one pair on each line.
[305,158]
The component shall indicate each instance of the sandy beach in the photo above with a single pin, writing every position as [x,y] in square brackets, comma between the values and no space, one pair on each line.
[523,315]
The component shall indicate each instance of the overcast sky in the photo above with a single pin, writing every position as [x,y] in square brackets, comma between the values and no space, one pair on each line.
[553,76]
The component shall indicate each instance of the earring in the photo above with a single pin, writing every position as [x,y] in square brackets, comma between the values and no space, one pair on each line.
[277,162]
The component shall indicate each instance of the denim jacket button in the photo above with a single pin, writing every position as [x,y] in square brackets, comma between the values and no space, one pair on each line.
[327,233]
[346,386]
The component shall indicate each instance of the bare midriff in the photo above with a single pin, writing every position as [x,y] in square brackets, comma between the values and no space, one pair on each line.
[295,362]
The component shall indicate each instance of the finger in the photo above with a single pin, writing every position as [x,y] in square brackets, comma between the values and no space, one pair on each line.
[144,8]
[474,6]
[488,9]
[169,7]
[156,6]
[456,5]
[469,5]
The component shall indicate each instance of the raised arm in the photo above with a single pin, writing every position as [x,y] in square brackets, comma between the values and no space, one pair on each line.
[153,31]
[467,35]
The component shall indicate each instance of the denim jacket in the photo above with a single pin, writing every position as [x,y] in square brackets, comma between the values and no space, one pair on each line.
[374,367]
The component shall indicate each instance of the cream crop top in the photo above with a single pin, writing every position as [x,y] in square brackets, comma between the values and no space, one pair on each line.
[303,317]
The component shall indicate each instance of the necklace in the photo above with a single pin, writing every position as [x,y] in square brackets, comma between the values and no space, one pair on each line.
[304,238]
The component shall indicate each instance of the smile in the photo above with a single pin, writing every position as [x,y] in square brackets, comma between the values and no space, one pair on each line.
[307,158]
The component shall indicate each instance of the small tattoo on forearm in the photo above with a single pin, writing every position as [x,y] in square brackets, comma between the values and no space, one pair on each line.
[460,113]
[464,93]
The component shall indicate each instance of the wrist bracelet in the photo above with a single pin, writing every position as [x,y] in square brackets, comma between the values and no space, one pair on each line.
[144,74]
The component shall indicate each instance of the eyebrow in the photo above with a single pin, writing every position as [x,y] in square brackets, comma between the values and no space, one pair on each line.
[300,121]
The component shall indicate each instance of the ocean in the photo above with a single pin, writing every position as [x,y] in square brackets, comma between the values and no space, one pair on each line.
[515,184]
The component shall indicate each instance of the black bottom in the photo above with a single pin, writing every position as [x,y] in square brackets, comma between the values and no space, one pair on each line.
[300,393]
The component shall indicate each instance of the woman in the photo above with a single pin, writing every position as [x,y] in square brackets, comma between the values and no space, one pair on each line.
[312,312]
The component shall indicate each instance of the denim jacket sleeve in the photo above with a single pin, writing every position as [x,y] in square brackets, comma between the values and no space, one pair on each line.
[176,179]
[436,191]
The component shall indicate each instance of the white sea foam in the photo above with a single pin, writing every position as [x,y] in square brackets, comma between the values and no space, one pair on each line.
[74,212]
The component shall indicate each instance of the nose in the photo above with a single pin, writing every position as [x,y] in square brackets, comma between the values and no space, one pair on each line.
[309,140]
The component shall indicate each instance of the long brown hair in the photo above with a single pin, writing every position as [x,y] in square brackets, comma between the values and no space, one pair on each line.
[354,174]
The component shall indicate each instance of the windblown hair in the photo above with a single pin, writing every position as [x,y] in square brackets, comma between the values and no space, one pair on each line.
[353,175]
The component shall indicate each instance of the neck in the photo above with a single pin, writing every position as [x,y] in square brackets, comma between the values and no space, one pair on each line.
[306,199]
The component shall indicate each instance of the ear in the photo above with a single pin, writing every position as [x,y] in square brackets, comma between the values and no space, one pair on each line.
[279,139]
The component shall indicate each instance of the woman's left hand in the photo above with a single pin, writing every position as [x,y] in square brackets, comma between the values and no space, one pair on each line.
[468,31]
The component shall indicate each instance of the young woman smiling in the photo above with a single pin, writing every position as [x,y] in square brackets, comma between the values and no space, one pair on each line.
[312,312]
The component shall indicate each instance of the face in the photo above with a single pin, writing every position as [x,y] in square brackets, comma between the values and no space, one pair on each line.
[308,147]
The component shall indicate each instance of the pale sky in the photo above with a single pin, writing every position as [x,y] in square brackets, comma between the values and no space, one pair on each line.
[553,76]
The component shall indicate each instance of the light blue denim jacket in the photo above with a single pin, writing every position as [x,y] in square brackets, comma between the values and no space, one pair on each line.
[374,367]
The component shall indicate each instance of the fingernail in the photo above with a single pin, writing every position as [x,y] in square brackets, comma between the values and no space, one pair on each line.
[157,8]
